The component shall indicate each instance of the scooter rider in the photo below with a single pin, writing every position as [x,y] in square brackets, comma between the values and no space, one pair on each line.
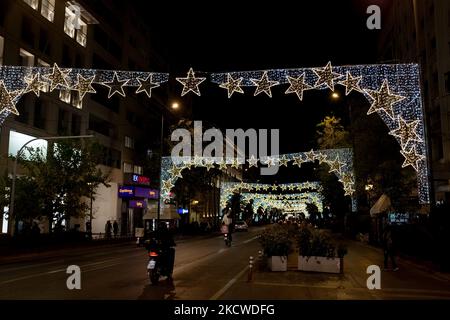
[166,244]
[228,221]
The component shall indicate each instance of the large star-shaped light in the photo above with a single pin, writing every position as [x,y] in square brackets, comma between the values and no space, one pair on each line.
[116,85]
[335,165]
[175,171]
[146,85]
[406,131]
[351,83]
[383,100]
[34,84]
[284,161]
[346,178]
[168,185]
[297,86]
[349,190]
[322,157]
[209,164]
[190,83]
[7,100]
[232,85]
[84,85]
[310,155]
[412,158]
[326,76]
[264,84]
[235,164]
[58,78]
[223,165]
[252,161]
[298,161]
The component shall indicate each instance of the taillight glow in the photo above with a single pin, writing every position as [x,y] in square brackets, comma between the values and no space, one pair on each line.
[153,254]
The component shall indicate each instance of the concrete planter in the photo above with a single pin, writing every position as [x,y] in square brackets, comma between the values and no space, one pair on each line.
[277,263]
[320,264]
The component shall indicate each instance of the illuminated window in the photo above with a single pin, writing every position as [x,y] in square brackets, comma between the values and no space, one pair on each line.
[129,142]
[2,45]
[32,3]
[26,58]
[17,140]
[65,96]
[48,9]
[138,170]
[75,23]
[127,167]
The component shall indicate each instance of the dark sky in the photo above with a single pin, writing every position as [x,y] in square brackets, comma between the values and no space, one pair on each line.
[221,36]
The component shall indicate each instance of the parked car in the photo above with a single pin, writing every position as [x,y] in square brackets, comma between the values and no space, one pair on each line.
[241,226]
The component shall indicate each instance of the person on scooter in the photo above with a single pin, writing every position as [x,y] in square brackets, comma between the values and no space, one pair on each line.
[228,221]
[167,244]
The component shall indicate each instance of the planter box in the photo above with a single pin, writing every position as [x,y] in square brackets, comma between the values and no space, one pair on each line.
[277,263]
[320,264]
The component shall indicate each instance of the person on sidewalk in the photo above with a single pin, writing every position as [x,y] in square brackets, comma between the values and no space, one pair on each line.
[108,228]
[389,248]
[115,228]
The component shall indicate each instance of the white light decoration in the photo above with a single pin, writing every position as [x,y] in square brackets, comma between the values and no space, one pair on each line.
[232,85]
[146,85]
[252,161]
[406,131]
[34,84]
[84,85]
[116,86]
[351,83]
[6,101]
[412,158]
[190,83]
[297,86]
[264,84]
[58,78]
[326,76]
[383,100]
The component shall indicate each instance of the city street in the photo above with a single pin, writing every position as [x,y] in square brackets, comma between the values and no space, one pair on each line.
[206,269]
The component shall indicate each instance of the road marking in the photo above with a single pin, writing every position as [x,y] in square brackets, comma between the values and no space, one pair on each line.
[250,240]
[219,293]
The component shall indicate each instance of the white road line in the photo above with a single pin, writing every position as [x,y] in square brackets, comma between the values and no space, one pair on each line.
[219,293]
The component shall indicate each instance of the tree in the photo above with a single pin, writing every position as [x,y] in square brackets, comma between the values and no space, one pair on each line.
[57,182]
[332,134]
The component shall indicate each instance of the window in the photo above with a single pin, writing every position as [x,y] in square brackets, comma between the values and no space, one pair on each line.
[73,99]
[2,46]
[48,9]
[127,167]
[65,95]
[17,140]
[129,142]
[138,170]
[32,3]
[26,58]
[74,24]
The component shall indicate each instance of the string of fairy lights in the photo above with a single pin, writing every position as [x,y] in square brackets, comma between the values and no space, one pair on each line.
[392,90]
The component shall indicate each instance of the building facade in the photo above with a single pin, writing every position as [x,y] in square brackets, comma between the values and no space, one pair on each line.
[85,34]
[418,31]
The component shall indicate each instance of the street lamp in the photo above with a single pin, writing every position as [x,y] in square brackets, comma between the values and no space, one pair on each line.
[13,186]
[368,187]
[335,95]
[174,106]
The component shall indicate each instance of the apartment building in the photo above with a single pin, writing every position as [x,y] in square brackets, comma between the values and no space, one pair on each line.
[108,35]
[419,31]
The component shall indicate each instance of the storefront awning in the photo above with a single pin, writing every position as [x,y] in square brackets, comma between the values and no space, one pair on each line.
[382,205]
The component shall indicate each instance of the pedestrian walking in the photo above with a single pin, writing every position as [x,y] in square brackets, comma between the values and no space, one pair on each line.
[389,248]
[108,228]
[115,228]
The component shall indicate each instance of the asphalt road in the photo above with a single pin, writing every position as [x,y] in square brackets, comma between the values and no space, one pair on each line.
[203,268]
[206,269]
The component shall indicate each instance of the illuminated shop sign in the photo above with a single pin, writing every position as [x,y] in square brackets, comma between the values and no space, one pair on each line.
[140,179]
[126,192]
[145,193]
[183,211]
[137,204]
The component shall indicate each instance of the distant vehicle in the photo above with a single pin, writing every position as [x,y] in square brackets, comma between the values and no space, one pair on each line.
[241,226]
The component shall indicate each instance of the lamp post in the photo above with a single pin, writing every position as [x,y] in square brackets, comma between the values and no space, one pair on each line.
[174,106]
[13,185]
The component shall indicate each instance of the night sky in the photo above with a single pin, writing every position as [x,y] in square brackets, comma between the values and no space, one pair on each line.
[230,36]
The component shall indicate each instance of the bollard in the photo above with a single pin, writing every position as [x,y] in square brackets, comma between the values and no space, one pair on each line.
[260,260]
[250,270]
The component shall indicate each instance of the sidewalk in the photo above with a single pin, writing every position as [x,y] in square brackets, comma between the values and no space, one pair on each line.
[412,281]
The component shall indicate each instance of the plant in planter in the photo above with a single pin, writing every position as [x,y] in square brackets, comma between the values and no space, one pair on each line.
[277,244]
[318,251]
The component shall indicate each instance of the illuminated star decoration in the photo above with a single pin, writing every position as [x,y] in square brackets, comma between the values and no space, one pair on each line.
[209,164]
[310,156]
[346,179]
[264,84]
[146,85]
[7,100]
[58,78]
[33,84]
[322,158]
[351,83]
[235,164]
[297,86]
[116,85]
[284,161]
[298,161]
[335,165]
[252,161]
[412,158]
[190,83]
[383,100]
[326,76]
[406,131]
[223,165]
[168,185]
[349,190]
[84,85]
[176,172]
[232,85]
